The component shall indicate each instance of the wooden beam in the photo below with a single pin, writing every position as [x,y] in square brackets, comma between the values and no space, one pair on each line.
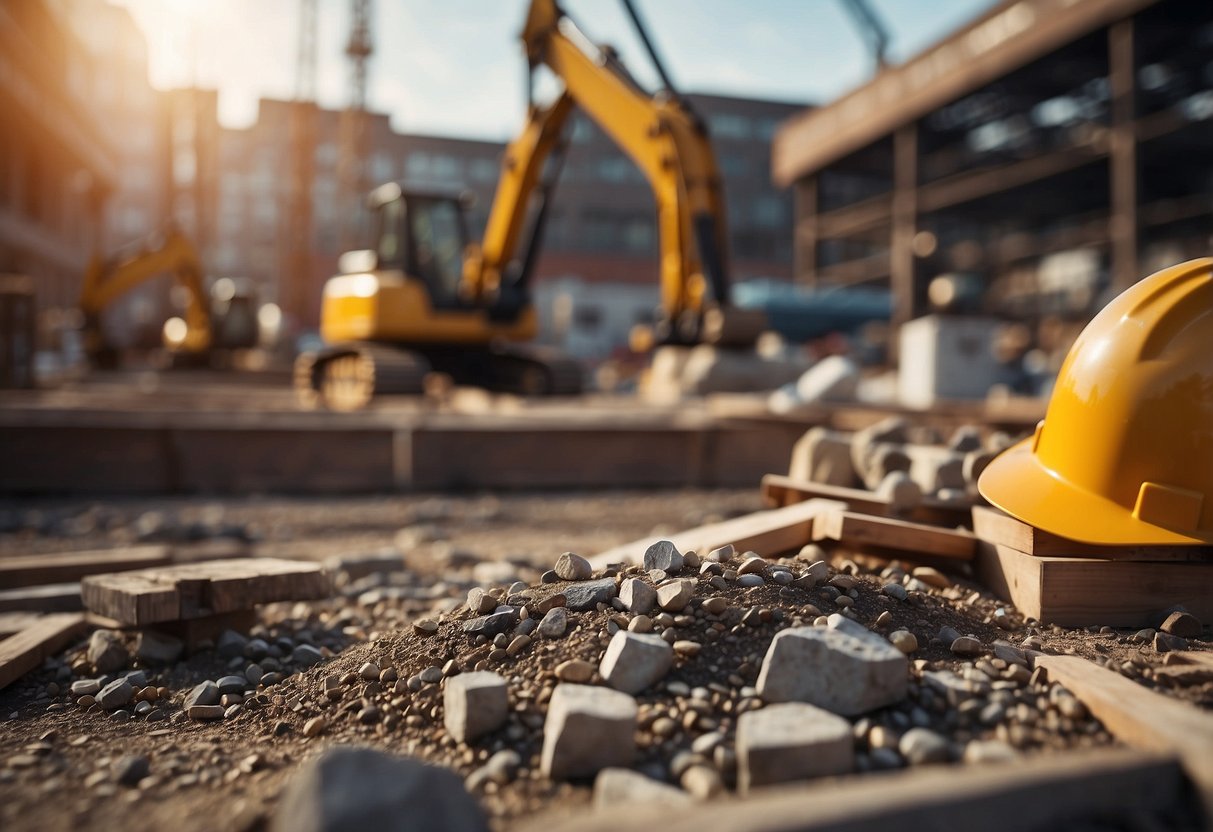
[1008,36]
[1139,717]
[202,589]
[856,218]
[769,533]
[1082,592]
[994,526]
[1046,791]
[905,224]
[778,490]
[48,598]
[14,622]
[21,653]
[888,533]
[968,187]
[62,567]
[1123,228]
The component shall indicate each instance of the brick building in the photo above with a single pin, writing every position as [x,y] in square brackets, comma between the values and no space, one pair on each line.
[601,226]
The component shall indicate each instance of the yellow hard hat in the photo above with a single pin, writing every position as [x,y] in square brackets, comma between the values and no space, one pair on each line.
[1124,455]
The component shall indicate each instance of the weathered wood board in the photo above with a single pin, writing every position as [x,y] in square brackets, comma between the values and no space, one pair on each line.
[1140,717]
[889,533]
[21,653]
[769,533]
[1071,790]
[1081,592]
[994,526]
[197,590]
[46,598]
[778,490]
[34,570]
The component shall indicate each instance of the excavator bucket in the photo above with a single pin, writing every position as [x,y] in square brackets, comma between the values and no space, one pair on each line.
[729,326]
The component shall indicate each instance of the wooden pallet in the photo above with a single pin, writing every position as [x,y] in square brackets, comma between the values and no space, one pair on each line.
[199,590]
[1071,584]
[778,490]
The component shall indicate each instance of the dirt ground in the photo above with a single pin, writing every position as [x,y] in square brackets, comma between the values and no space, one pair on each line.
[60,763]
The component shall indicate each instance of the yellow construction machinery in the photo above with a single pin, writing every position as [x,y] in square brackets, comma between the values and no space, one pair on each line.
[424,298]
[190,338]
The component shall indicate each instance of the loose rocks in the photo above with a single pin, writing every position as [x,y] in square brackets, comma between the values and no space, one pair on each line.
[637,596]
[106,652]
[358,788]
[588,594]
[791,741]
[920,746]
[614,787]
[674,596]
[844,668]
[116,694]
[571,567]
[663,555]
[158,648]
[587,729]
[554,623]
[475,704]
[206,693]
[633,661]
[1182,624]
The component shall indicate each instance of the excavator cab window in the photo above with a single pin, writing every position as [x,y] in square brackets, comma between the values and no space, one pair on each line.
[438,238]
[391,247]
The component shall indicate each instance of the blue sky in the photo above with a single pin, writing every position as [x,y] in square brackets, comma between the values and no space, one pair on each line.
[455,67]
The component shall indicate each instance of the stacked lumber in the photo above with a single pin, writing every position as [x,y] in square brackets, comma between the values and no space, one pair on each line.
[1072,584]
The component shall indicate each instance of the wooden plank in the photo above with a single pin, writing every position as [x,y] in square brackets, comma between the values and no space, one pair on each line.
[196,590]
[1193,657]
[26,650]
[63,567]
[778,490]
[49,598]
[14,622]
[1081,592]
[1056,791]
[995,526]
[769,533]
[888,533]
[1139,717]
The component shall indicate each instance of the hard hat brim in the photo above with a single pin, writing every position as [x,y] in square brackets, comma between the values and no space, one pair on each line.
[1017,483]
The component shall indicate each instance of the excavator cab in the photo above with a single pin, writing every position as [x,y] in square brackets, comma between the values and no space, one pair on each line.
[402,309]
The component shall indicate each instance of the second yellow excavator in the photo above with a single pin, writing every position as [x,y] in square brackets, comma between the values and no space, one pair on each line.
[424,298]
[190,339]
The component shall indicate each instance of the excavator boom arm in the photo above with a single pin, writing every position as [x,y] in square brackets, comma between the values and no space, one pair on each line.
[104,282]
[659,134]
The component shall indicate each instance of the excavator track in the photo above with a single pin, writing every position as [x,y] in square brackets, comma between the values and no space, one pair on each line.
[534,371]
[347,377]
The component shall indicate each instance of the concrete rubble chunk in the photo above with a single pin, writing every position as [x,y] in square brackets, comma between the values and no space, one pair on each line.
[1182,624]
[637,596]
[106,651]
[491,625]
[116,694]
[349,788]
[475,704]
[614,787]
[633,661]
[663,555]
[554,623]
[571,567]
[791,741]
[921,746]
[843,668]
[158,648]
[834,378]
[902,492]
[674,596]
[587,729]
[824,456]
[586,595]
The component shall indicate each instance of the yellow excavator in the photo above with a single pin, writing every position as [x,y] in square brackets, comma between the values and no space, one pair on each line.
[424,298]
[189,339]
